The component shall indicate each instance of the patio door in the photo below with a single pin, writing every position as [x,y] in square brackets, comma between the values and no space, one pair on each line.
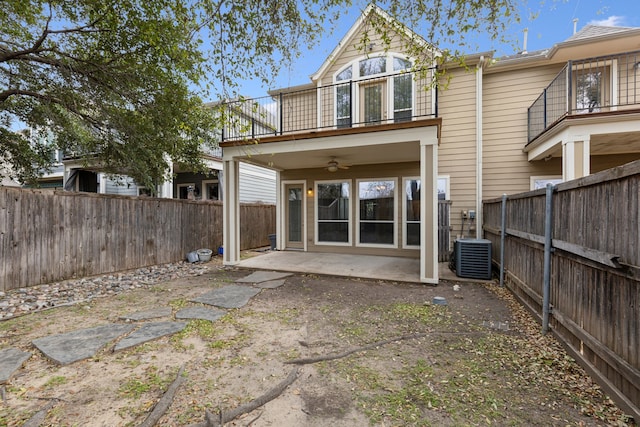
[373,102]
[294,216]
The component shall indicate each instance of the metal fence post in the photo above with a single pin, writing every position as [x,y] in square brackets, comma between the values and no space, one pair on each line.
[547,259]
[281,110]
[503,233]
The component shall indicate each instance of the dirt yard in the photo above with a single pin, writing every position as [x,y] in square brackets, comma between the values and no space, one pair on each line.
[480,360]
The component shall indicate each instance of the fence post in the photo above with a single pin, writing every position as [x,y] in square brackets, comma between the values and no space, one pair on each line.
[547,259]
[503,233]
[281,111]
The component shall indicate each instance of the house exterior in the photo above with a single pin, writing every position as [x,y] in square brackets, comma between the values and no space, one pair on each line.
[364,151]
[257,184]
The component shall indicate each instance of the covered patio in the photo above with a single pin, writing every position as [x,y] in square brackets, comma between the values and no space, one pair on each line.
[396,269]
[349,222]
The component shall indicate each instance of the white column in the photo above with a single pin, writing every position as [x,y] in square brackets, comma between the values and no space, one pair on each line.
[429,209]
[281,197]
[102,181]
[576,157]
[231,213]
[165,190]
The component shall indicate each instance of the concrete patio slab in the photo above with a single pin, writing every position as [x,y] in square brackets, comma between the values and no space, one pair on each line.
[263,276]
[271,284]
[201,313]
[364,266]
[79,345]
[11,359]
[149,332]
[398,269]
[148,314]
[231,296]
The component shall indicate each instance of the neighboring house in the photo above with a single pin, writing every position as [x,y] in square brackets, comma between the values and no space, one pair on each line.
[364,151]
[257,184]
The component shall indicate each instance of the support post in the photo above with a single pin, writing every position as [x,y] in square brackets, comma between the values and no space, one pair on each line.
[503,233]
[547,259]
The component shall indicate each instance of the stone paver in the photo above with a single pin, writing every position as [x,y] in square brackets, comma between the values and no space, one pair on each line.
[263,276]
[149,332]
[11,359]
[148,314]
[200,313]
[81,344]
[231,296]
[271,284]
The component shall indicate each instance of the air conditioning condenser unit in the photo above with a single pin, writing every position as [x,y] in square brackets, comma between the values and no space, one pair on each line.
[473,258]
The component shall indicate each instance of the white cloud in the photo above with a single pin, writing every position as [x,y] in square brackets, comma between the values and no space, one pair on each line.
[612,21]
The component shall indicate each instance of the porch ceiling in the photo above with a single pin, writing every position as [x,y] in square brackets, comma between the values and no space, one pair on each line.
[607,134]
[350,156]
[392,146]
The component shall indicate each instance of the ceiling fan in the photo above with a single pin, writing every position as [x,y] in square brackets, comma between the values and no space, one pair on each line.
[333,165]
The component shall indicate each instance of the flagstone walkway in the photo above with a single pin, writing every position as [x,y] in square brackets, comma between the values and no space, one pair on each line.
[71,347]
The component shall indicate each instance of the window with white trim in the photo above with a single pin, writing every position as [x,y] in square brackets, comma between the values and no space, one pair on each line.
[411,207]
[412,189]
[333,212]
[538,182]
[211,189]
[377,212]
[378,84]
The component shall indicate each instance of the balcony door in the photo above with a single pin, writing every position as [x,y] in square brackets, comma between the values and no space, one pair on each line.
[373,102]
[294,216]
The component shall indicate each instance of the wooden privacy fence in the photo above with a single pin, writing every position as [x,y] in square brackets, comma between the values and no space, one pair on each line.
[593,275]
[47,236]
[444,230]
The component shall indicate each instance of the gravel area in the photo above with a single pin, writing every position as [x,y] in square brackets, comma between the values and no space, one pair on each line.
[20,301]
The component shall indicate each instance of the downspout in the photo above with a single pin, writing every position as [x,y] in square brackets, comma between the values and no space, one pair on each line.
[479,72]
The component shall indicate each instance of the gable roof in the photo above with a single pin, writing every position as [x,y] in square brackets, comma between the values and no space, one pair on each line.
[590,31]
[342,45]
[585,36]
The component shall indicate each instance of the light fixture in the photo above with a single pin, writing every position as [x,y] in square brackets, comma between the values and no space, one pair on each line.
[310,192]
[332,167]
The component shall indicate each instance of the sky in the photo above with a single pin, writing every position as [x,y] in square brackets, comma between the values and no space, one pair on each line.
[553,24]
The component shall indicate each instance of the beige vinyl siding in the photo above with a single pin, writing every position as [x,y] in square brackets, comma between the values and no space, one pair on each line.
[395,170]
[353,51]
[299,111]
[506,98]
[457,150]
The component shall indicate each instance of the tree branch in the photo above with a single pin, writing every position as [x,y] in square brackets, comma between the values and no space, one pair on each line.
[33,49]
[317,359]
[164,403]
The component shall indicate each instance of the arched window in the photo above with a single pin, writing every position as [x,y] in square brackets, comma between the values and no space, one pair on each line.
[381,86]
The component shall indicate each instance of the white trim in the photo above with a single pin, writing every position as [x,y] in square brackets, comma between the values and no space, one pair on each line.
[231,213]
[479,142]
[102,183]
[282,214]
[428,250]
[349,241]
[403,225]
[185,185]
[447,185]
[414,37]
[393,245]
[204,186]
[388,76]
[533,179]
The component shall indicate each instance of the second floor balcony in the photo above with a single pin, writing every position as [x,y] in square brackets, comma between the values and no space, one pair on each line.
[379,100]
[601,85]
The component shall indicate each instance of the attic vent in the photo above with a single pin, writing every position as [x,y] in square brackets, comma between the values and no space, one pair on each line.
[473,258]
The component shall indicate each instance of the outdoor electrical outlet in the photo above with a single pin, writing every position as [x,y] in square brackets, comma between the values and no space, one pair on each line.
[472,214]
[464,214]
